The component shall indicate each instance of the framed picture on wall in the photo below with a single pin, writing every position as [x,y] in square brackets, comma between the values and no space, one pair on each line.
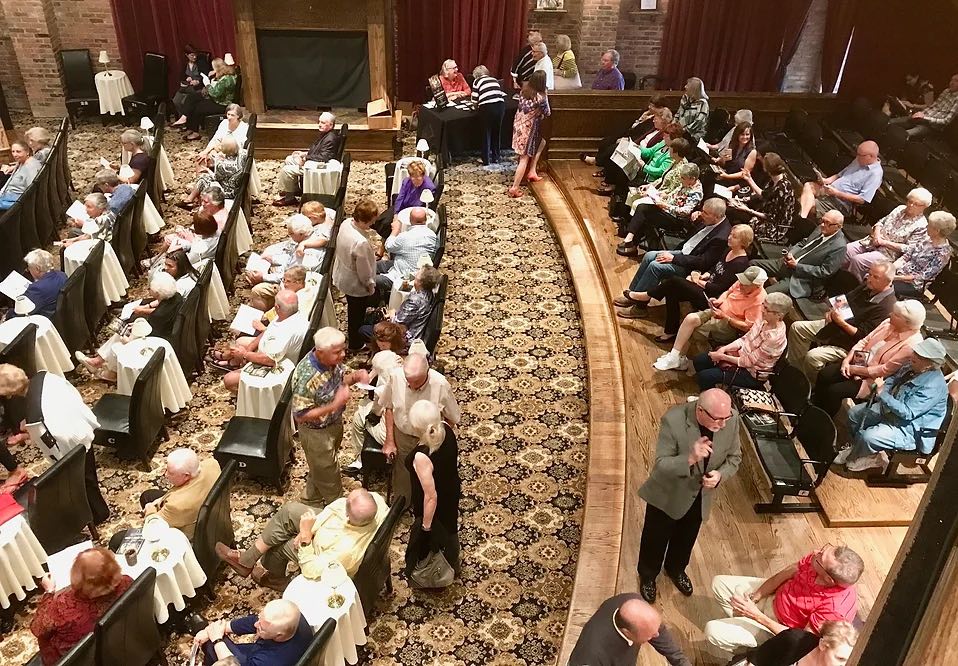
[548,5]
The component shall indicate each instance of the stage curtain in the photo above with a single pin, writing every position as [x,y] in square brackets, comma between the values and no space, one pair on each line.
[732,45]
[166,26]
[425,40]
[839,25]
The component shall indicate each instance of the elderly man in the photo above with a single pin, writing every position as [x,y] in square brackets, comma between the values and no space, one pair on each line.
[543,63]
[453,82]
[282,636]
[937,116]
[281,255]
[295,534]
[320,393]
[854,185]
[324,149]
[99,216]
[870,304]
[41,295]
[354,270]
[609,77]
[524,65]
[120,193]
[617,631]
[698,448]
[818,588]
[405,249]
[904,414]
[802,272]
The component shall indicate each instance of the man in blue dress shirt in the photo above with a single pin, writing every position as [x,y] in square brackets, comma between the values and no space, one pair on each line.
[854,185]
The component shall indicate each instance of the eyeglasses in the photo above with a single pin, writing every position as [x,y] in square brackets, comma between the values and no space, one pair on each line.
[713,417]
[820,562]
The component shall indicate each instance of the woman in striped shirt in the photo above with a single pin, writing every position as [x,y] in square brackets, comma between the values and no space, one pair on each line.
[487,94]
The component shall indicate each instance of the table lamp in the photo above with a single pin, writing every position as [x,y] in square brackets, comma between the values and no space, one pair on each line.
[146,124]
[426,197]
[228,59]
[422,147]
[104,60]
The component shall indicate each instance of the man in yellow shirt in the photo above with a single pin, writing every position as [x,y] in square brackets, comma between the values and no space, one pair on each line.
[296,534]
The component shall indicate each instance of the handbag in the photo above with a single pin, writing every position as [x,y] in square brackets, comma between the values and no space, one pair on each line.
[9,508]
[433,571]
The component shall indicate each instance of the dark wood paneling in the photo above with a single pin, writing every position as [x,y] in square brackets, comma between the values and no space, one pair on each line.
[274,141]
[310,15]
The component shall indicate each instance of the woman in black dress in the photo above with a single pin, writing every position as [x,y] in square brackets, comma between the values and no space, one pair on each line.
[797,647]
[436,488]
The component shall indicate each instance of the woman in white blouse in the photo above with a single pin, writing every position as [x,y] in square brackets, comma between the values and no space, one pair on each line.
[233,125]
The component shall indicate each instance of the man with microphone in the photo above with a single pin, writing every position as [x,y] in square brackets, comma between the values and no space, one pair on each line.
[698,449]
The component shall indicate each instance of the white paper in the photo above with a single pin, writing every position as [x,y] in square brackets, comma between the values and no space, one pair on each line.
[364,387]
[61,563]
[77,211]
[243,321]
[105,163]
[126,172]
[14,285]
[840,303]
[722,191]
[206,79]
[127,312]
[704,147]
[90,227]
[257,264]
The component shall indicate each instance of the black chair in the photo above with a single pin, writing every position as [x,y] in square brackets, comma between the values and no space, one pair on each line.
[227,253]
[791,389]
[70,316]
[56,503]
[22,351]
[375,464]
[122,240]
[202,320]
[155,90]
[341,147]
[261,448]
[28,221]
[892,476]
[440,186]
[937,176]
[80,94]
[81,654]
[94,301]
[795,122]
[829,156]
[45,214]
[316,316]
[717,125]
[442,231]
[214,523]
[375,571]
[914,157]
[791,474]
[154,182]
[127,633]
[430,336]
[183,337]
[11,255]
[131,423]
[138,235]
[315,654]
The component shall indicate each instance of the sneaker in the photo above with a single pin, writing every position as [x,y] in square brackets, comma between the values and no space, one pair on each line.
[87,362]
[671,361]
[843,456]
[864,463]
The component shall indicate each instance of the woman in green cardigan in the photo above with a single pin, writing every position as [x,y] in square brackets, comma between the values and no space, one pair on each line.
[212,100]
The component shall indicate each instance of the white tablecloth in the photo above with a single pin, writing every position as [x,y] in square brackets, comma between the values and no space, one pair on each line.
[112,279]
[311,597]
[244,239]
[432,218]
[323,181]
[400,175]
[152,220]
[111,87]
[217,303]
[258,396]
[21,560]
[255,186]
[131,358]
[396,296]
[52,355]
[177,576]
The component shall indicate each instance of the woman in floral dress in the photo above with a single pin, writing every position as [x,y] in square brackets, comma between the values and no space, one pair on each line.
[526,138]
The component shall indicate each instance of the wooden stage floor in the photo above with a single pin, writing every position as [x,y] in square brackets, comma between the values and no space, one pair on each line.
[735,539]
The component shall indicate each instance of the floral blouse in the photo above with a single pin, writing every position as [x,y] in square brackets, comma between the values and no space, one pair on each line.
[899,229]
[680,202]
[778,203]
[923,260]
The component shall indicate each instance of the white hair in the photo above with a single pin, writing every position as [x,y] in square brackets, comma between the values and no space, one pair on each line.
[299,224]
[922,195]
[327,338]
[183,461]
[163,285]
[41,260]
[743,116]
[943,221]
[912,312]
[541,46]
[886,266]
[361,507]
[447,64]
[614,55]
[282,615]
[97,199]
[425,419]
[778,302]
[715,205]
[286,302]
[326,115]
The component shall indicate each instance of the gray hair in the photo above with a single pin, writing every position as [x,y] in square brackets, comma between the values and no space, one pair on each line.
[614,55]
[38,135]
[922,195]
[183,461]
[237,109]
[425,419]
[541,46]
[912,312]
[563,42]
[429,277]
[942,221]
[216,194]
[299,224]
[743,116]
[97,199]
[480,70]
[132,136]
[163,285]
[107,177]
[848,566]
[229,145]
[286,302]
[361,508]
[698,88]
[715,205]
[447,64]
[689,170]
[327,116]
[327,338]
[39,259]
[779,303]
[886,266]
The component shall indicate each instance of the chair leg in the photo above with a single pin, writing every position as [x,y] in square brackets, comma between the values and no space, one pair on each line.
[893,478]
[389,583]
[94,533]
[778,505]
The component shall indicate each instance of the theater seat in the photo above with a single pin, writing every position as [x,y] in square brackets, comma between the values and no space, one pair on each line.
[127,633]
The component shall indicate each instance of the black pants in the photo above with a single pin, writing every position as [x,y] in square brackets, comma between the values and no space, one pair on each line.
[905,290]
[667,540]
[197,107]
[675,291]
[146,497]
[831,388]
[7,459]
[356,317]
[491,115]
[603,158]
[384,223]
[647,218]
[98,505]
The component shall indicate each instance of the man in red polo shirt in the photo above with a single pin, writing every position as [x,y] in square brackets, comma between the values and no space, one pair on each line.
[818,588]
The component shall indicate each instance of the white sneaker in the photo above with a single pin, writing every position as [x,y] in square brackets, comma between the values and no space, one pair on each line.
[87,362]
[671,361]
[843,456]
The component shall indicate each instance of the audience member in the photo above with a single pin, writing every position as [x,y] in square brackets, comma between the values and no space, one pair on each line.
[667,210]
[812,344]
[748,360]
[891,235]
[20,174]
[854,185]
[405,249]
[738,160]
[903,413]
[324,149]
[281,256]
[192,80]
[490,100]
[543,63]
[630,158]
[524,65]
[322,220]
[282,636]
[817,589]
[453,82]
[564,66]
[802,271]
[797,646]
[936,116]
[693,110]
[233,126]
[205,237]
[609,77]
[120,194]
[773,207]
[212,100]
[527,139]
[741,116]
[133,143]
[640,128]
[47,282]
[99,223]
[177,264]
[295,534]
[389,347]
[39,140]
[915,95]
[354,268]
[698,447]
[64,618]
[878,354]
[227,168]
[415,310]
[923,261]
[410,193]
[618,629]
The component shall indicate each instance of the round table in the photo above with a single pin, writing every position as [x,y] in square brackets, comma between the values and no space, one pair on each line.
[218,304]
[255,185]
[177,576]
[401,174]
[112,278]
[311,597]
[397,296]
[323,181]
[21,560]
[432,218]
[131,357]
[258,396]
[244,239]
[111,87]
[52,355]
[152,220]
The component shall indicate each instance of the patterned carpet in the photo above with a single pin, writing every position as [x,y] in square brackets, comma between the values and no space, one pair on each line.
[512,348]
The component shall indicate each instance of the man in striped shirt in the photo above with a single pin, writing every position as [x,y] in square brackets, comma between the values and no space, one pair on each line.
[937,116]
[524,65]
[487,94]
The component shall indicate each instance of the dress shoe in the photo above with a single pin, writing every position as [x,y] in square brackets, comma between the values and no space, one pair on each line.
[232,559]
[626,250]
[635,312]
[648,590]
[196,623]
[266,579]
[605,193]
[683,583]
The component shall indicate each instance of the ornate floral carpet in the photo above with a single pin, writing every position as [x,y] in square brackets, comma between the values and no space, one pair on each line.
[512,348]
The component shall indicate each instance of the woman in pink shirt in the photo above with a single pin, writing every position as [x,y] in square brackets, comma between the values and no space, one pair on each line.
[878,354]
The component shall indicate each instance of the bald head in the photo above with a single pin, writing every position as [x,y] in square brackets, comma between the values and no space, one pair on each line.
[416,370]
[831,222]
[639,621]
[713,409]
[867,153]
[278,620]
[417,215]
[286,303]
[360,507]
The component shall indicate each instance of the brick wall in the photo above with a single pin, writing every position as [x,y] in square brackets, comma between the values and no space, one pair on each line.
[804,72]
[87,24]
[10,78]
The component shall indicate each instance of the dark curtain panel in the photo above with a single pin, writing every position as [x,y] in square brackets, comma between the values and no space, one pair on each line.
[839,24]
[166,26]
[794,16]
[732,45]
[425,40]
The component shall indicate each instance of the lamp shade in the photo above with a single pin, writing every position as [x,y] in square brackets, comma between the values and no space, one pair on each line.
[228,59]
[426,197]
[146,124]
[422,146]
[104,58]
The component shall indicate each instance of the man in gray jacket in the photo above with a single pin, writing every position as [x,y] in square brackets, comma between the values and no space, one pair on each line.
[698,448]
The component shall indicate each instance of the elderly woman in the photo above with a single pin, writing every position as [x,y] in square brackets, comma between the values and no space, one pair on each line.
[226,172]
[212,100]
[563,64]
[46,286]
[415,310]
[159,311]
[436,487]
[739,158]
[134,143]
[667,209]
[233,125]
[410,194]
[64,618]
[20,174]
[453,82]
[527,138]
[924,260]
[749,360]
[609,77]
[120,194]
[904,415]
[542,63]
[99,215]
[693,113]
[892,235]
[878,354]
[490,101]
[630,156]
[39,140]
[282,255]
[772,209]
[832,646]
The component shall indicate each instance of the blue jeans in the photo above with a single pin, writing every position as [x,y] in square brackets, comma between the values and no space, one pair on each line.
[873,434]
[710,375]
[7,201]
[650,273]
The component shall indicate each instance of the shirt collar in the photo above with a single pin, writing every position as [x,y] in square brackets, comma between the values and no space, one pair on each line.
[882,294]
[615,626]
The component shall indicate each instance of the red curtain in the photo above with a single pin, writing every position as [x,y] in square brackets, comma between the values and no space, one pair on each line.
[166,26]
[488,32]
[732,45]
[839,24]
